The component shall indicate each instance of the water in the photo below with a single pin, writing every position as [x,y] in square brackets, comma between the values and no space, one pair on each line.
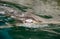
[4,34]
[27,33]
[2,23]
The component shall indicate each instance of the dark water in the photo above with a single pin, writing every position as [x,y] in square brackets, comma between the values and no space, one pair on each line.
[26,33]
[4,34]
[2,23]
